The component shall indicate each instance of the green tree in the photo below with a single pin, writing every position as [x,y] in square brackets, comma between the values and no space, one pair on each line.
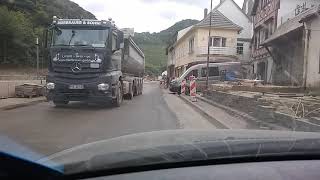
[16,38]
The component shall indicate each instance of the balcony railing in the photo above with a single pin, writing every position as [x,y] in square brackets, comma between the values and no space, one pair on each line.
[228,51]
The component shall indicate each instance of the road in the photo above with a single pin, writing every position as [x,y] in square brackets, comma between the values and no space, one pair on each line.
[47,130]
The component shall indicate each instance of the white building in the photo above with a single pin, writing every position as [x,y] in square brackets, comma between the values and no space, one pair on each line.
[232,11]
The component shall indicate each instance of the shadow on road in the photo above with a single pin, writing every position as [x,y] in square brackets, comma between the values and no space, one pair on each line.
[84,106]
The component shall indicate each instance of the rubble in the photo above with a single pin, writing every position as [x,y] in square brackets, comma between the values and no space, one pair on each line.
[272,104]
[29,90]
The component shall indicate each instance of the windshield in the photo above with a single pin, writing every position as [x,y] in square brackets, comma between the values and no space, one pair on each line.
[87,84]
[80,37]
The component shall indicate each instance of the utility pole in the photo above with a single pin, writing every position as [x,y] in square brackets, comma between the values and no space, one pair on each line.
[208,55]
[37,44]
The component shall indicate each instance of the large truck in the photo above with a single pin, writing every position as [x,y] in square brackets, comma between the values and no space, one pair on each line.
[92,61]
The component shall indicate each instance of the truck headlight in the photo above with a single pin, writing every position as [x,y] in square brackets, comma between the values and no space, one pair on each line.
[103,87]
[50,86]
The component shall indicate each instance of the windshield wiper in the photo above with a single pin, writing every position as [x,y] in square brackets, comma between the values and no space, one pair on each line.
[61,45]
[72,36]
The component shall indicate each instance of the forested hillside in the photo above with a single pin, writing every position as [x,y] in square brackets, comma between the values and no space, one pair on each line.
[154,45]
[23,20]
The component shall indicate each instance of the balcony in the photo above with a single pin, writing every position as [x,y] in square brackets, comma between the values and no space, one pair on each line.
[227,51]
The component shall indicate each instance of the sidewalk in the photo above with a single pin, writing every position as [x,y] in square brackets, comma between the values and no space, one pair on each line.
[13,103]
[187,117]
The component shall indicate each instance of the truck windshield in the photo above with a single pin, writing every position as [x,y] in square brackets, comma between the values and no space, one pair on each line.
[80,37]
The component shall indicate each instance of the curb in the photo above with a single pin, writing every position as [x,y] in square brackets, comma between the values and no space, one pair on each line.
[16,106]
[210,118]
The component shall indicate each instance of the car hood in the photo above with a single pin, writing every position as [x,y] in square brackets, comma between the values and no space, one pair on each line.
[180,146]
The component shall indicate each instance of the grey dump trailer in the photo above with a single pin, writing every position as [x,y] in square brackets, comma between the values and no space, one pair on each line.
[92,61]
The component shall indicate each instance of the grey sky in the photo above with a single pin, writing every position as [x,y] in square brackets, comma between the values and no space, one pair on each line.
[147,15]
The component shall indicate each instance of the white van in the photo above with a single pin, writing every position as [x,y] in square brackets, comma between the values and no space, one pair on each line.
[218,72]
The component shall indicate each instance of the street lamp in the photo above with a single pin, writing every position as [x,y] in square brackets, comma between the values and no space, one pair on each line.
[208,55]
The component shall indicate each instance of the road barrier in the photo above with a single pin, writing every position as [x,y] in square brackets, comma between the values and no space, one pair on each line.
[193,88]
[183,86]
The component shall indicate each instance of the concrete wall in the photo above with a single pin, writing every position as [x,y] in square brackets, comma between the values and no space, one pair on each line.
[7,88]
[270,69]
[313,70]
[289,57]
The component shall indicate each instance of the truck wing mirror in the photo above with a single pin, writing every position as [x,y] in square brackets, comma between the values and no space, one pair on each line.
[120,40]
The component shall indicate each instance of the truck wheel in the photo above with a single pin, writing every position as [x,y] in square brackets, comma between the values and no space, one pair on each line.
[135,90]
[117,102]
[130,94]
[60,103]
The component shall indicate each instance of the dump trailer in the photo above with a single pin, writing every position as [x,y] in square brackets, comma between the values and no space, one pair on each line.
[92,61]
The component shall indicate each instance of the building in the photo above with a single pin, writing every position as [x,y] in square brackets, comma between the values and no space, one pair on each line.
[191,46]
[232,11]
[295,47]
[268,16]
[265,14]
[230,39]
[247,7]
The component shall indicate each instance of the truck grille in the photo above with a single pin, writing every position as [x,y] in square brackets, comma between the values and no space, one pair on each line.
[75,68]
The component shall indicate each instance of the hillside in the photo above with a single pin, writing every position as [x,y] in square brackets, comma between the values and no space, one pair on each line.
[24,20]
[154,45]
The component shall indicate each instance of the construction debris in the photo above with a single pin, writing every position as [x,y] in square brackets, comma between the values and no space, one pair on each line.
[29,90]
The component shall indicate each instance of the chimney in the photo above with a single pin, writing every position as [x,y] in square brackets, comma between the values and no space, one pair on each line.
[205,13]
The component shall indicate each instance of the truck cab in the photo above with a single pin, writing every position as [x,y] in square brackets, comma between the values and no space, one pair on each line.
[84,61]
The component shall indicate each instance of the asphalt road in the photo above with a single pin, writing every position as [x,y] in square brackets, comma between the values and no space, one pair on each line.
[44,130]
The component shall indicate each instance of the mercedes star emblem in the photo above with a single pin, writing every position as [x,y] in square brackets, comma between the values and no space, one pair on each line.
[76,67]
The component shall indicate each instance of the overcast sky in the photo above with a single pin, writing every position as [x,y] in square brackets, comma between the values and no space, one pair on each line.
[147,15]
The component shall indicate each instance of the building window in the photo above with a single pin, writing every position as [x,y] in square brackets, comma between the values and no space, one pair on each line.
[218,41]
[239,48]
[191,45]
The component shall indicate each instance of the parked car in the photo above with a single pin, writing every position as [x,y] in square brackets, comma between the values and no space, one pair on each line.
[218,72]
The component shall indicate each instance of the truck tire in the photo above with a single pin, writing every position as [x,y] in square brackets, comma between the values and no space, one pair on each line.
[60,103]
[129,95]
[119,96]
[140,89]
[135,90]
